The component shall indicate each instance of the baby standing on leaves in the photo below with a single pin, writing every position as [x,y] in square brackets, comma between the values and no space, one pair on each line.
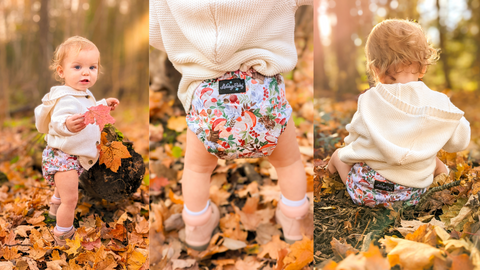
[400,124]
[231,54]
[71,144]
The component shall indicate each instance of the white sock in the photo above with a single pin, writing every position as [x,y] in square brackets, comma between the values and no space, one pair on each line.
[63,229]
[290,203]
[55,197]
[197,213]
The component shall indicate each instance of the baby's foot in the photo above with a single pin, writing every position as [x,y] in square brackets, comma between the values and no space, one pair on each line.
[54,204]
[199,229]
[60,237]
[291,220]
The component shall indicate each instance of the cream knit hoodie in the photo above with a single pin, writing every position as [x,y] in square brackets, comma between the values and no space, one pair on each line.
[399,128]
[205,38]
[60,103]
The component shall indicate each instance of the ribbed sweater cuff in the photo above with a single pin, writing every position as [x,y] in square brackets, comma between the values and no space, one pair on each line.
[410,109]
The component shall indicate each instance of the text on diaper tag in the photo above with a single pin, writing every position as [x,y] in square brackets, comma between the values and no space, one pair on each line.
[233,86]
[384,186]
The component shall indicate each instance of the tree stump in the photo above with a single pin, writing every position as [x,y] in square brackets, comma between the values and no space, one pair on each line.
[102,183]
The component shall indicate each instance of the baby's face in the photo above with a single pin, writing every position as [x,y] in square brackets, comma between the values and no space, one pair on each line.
[80,70]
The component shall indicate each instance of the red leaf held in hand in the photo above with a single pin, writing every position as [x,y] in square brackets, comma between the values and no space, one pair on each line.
[99,115]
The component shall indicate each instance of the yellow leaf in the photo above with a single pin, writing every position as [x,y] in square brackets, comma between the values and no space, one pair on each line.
[137,259]
[74,245]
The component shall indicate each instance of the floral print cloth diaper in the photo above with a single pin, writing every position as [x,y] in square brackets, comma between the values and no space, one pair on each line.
[54,160]
[240,114]
[367,187]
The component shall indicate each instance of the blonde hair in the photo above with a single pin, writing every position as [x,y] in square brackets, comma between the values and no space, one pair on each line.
[75,43]
[395,43]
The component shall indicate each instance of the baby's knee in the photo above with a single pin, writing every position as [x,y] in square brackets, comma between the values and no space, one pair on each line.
[70,200]
[201,167]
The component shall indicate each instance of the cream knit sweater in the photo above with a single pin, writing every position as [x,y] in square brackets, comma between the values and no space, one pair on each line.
[60,103]
[205,38]
[399,128]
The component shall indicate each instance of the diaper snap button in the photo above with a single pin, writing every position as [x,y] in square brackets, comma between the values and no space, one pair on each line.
[90,162]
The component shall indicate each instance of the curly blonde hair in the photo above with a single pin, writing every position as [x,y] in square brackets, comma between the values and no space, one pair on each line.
[72,44]
[393,44]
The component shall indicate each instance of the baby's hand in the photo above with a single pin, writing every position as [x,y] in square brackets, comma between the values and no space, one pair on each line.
[75,123]
[112,102]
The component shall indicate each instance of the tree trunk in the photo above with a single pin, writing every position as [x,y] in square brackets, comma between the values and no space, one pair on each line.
[345,49]
[102,183]
[443,46]
[320,78]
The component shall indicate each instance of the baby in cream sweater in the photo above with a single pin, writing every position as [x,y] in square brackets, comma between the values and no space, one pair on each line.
[400,124]
[71,144]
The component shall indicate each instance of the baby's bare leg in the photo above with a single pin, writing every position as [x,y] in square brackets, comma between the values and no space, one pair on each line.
[199,165]
[336,165]
[289,166]
[440,168]
[67,186]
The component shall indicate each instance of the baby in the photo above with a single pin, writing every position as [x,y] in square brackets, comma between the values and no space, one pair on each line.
[400,124]
[71,144]
[231,55]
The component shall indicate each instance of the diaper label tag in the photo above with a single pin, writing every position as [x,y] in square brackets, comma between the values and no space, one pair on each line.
[384,186]
[233,86]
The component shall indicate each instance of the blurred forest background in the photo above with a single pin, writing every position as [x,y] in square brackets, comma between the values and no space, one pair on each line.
[30,30]
[342,28]
[341,31]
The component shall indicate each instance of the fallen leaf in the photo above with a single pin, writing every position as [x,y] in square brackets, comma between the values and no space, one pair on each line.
[177,123]
[409,254]
[301,254]
[233,244]
[342,250]
[248,263]
[182,264]
[272,248]
[74,245]
[230,226]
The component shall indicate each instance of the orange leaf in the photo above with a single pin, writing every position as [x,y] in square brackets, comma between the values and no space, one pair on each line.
[112,155]
[301,254]
[461,262]
[272,248]
[174,198]
[11,253]
[99,115]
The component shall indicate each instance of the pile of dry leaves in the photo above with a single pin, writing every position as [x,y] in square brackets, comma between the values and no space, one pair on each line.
[109,235]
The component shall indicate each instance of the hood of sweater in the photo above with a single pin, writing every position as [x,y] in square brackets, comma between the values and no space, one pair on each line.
[59,91]
[44,110]
[398,129]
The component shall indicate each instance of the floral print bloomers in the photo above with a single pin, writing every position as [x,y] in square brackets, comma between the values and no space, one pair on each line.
[367,187]
[54,160]
[240,114]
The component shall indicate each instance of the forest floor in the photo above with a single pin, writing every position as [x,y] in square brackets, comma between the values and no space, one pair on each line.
[246,191]
[443,233]
[109,235]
